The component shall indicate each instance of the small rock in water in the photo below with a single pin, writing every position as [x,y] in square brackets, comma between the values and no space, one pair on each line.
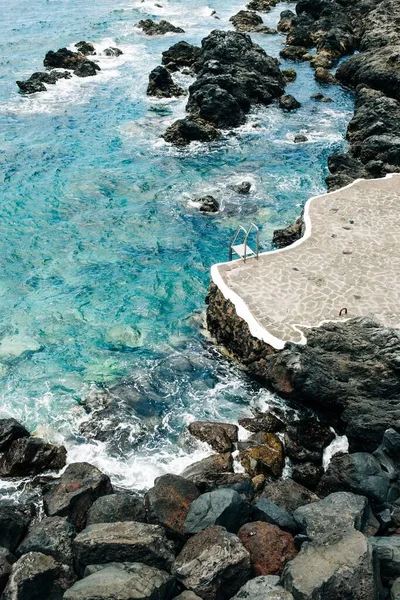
[300,138]
[242,188]
[63,59]
[288,102]
[85,48]
[322,75]
[261,5]
[31,86]
[187,130]
[208,204]
[161,84]
[321,98]
[112,51]
[86,68]
[289,75]
[150,27]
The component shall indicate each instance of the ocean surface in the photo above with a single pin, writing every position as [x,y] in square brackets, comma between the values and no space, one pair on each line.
[105,257]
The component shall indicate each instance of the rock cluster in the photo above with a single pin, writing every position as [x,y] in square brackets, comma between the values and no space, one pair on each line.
[150,27]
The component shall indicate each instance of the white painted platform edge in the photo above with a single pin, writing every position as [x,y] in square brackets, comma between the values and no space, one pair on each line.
[243,311]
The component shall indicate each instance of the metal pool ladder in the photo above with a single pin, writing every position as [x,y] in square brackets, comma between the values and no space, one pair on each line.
[243,250]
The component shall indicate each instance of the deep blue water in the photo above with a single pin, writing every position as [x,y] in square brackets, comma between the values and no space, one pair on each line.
[105,256]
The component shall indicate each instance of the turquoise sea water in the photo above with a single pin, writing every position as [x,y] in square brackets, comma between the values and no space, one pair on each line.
[105,257]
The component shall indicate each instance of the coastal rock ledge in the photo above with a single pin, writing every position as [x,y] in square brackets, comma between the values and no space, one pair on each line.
[315,322]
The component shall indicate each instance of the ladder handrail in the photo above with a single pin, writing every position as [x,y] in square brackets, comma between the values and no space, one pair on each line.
[238,229]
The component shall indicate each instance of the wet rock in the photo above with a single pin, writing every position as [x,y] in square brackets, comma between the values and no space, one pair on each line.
[242,188]
[288,494]
[224,507]
[207,470]
[220,436]
[261,5]
[31,86]
[31,456]
[327,520]
[168,503]
[288,102]
[265,459]
[300,138]
[306,439]
[269,547]
[289,75]
[52,536]
[324,76]
[187,130]
[112,51]
[387,551]
[295,53]
[264,587]
[268,512]
[247,20]
[161,84]
[359,473]
[116,508]
[63,59]
[267,422]
[342,570]
[123,542]
[213,562]
[214,104]
[85,48]
[36,576]
[286,20]
[80,485]
[86,68]
[321,98]
[208,204]
[5,570]
[284,237]
[308,474]
[150,27]
[123,581]
[14,521]
[180,55]
[10,430]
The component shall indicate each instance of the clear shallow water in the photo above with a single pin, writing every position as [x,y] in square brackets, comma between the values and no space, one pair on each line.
[104,256]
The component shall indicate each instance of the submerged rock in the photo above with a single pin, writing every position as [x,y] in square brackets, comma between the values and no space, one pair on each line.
[112,51]
[161,84]
[242,188]
[31,456]
[270,548]
[150,27]
[299,138]
[212,562]
[85,48]
[322,75]
[220,436]
[288,102]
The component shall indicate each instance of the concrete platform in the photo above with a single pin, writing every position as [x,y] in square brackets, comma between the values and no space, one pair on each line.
[348,258]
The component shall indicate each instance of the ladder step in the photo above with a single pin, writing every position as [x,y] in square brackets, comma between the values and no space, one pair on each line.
[242,249]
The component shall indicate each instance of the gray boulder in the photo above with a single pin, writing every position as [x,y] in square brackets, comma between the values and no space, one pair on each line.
[79,486]
[333,517]
[267,511]
[36,576]
[117,507]
[223,507]
[288,494]
[212,563]
[123,542]
[395,590]
[265,587]
[345,569]
[52,536]
[288,102]
[123,581]
[5,569]
[387,551]
[188,595]
[14,521]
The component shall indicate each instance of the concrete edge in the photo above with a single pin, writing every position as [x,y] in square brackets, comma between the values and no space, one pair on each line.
[241,307]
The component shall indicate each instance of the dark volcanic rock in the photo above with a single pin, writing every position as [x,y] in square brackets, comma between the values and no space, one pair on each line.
[284,237]
[31,86]
[63,59]
[324,76]
[269,547]
[285,21]
[187,130]
[266,458]
[52,536]
[299,139]
[14,521]
[223,507]
[117,507]
[5,570]
[267,511]
[261,5]
[295,53]
[169,501]
[215,105]
[349,369]
[10,430]
[112,51]
[242,188]
[208,204]
[80,485]
[247,20]
[267,422]
[85,48]
[306,439]
[149,27]
[180,55]
[206,471]
[123,581]
[36,81]
[30,456]
[123,542]
[288,494]
[308,474]
[387,551]
[288,102]
[289,75]
[359,473]
[36,576]
[220,436]
[212,563]
[86,68]
[161,84]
